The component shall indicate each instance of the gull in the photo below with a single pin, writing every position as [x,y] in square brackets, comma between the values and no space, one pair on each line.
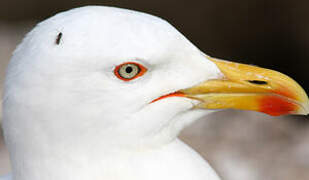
[101,93]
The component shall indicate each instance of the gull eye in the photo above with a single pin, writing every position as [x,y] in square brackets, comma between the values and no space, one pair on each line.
[129,71]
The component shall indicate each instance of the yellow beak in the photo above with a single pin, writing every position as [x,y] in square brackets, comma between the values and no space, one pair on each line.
[253,88]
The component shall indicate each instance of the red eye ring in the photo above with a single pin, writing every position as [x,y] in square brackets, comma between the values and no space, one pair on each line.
[129,70]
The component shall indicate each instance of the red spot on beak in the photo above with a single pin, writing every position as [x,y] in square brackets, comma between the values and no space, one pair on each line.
[177,94]
[276,105]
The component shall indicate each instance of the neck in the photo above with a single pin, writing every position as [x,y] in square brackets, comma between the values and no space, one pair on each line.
[94,164]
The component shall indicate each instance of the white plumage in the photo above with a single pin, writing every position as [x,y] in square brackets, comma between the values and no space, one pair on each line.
[68,117]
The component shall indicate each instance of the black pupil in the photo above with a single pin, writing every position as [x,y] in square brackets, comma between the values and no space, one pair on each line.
[129,69]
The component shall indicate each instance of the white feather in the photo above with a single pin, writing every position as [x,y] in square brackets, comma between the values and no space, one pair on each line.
[68,117]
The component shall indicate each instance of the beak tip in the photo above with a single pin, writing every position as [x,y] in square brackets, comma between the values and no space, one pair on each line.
[305,109]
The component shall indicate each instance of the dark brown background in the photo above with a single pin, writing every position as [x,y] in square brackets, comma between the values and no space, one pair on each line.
[268,33]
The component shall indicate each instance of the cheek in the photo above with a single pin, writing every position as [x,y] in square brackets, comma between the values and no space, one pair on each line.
[160,113]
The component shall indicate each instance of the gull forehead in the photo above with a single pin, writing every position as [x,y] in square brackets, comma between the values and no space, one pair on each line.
[96,31]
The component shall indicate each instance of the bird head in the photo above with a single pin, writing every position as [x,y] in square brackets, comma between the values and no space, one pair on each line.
[102,75]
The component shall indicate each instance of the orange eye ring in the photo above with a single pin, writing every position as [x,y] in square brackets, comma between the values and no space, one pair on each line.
[129,71]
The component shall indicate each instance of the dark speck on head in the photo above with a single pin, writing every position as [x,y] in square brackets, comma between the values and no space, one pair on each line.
[58,39]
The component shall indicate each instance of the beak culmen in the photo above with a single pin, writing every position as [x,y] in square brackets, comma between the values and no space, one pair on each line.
[247,87]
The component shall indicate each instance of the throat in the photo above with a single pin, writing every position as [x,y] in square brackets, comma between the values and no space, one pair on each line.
[79,165]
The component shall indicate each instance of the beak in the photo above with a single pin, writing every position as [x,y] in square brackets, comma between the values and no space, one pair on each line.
[247,87]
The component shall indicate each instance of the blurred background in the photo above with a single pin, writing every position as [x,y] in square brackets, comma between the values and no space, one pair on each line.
[269,33]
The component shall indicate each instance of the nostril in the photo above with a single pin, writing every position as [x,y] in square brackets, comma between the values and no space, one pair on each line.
[257,82]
